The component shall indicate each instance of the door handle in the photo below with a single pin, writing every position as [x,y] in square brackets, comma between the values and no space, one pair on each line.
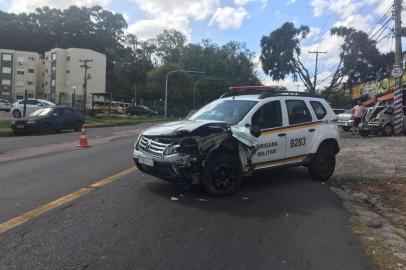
[282,134]
[312,130]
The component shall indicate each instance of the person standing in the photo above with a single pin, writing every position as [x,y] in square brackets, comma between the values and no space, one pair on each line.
[357,112]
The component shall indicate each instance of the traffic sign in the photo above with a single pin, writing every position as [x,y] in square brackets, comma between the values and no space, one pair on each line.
[397,72]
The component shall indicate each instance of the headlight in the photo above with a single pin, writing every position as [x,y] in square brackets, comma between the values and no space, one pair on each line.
[137,140]
[172,149]
[31,122]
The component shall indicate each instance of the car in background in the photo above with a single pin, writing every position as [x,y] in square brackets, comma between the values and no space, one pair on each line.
[345,120]
[50,119]
[140,110]
[379,120]
[32,105]
[339,111]
[5,105]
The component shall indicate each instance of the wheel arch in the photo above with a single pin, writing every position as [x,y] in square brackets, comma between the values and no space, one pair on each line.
[332,142]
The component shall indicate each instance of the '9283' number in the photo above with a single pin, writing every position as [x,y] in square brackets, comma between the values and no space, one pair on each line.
[296,142]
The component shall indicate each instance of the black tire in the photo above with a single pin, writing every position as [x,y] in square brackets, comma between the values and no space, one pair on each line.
[346,128]
[387,130]
[323,164]
[363,133]
[78,126]
[16,114]
[222,176]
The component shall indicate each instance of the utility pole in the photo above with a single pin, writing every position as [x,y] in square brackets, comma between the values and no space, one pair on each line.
[86,67]
[315,71]
[398,97]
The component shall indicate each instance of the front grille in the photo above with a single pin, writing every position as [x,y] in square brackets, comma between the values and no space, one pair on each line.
[152,147]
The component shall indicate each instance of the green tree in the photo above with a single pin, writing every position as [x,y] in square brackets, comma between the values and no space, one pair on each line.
[169,45]
[280,55]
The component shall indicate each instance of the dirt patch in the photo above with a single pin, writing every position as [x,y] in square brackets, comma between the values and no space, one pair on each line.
[371,180]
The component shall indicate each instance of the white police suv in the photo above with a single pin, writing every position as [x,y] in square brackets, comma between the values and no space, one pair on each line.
[245,130]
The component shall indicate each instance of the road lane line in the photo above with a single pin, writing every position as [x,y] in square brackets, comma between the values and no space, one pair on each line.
[27,216]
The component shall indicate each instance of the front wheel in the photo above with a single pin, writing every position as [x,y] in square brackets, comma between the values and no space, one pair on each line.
[222,176]
[323,164]
[17,114]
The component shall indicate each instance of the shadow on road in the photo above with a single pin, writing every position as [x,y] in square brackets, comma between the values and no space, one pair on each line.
[264,195]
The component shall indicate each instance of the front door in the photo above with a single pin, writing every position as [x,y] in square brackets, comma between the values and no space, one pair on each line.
[302,131]
[270,145]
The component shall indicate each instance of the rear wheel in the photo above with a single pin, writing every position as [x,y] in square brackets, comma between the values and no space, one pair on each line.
[222,176]
[323,164]
[17,114]
[388,130]
[78,126]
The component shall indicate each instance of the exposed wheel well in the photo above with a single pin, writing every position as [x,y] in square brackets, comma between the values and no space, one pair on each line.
[331,142]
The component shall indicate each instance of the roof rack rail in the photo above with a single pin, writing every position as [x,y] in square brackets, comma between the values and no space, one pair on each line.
[286,93]
[249,90]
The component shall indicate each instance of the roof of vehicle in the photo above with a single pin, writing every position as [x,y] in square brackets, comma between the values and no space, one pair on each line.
[257,97]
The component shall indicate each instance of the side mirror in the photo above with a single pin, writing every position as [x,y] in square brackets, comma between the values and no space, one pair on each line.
[255,131]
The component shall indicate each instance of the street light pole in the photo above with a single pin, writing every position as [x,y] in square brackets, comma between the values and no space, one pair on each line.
[166,84]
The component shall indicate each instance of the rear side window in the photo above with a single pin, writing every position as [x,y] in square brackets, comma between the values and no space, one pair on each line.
[318,109]
[298,112]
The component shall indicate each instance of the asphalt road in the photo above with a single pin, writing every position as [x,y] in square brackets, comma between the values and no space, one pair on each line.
[278,220]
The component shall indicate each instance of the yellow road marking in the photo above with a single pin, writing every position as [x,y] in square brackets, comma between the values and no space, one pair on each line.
[63,200]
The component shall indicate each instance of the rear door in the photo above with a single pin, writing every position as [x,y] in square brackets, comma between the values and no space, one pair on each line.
[302,131]
[270,145]
[60,118]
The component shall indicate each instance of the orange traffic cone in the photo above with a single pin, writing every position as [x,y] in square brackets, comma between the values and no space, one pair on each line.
[83,139]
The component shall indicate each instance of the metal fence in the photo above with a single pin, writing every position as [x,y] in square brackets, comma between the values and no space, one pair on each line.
[4,116]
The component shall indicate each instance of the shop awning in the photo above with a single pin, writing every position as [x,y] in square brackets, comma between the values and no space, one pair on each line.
[386,97]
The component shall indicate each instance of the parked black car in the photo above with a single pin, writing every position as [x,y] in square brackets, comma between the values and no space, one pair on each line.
[51,119]
[140,110]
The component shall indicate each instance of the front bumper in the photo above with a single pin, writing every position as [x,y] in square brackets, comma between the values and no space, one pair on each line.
[24,128]
[170,168]
[346,123]
[370,127]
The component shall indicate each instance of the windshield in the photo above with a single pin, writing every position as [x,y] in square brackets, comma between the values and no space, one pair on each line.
[41,112]
[229,111]
[47,103]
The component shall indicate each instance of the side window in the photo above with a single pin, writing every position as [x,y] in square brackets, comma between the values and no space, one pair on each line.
[268,116]
[318,109]
[298,112]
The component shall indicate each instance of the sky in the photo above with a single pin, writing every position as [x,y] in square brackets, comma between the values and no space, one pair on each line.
[246,21]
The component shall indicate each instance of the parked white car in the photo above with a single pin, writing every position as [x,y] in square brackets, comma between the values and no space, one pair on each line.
[32,105]
[345,120]
[5,105]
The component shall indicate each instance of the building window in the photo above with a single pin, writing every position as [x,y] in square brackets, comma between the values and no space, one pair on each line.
[53,83]
[53,56]
[53,69]
[6,57]
[31,58]
[68,58]
[46,70]
[46,58]
[21,60]
[20,71]
[68,70]
[6,70]
[5,82]
[20,83]
[31,70]
[30,83]
[46,83]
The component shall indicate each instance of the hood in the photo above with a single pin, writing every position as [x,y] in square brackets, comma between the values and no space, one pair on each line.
[344,116]
[177,127]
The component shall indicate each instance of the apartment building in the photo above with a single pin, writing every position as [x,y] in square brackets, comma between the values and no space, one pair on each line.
[19,71]
[64,76]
